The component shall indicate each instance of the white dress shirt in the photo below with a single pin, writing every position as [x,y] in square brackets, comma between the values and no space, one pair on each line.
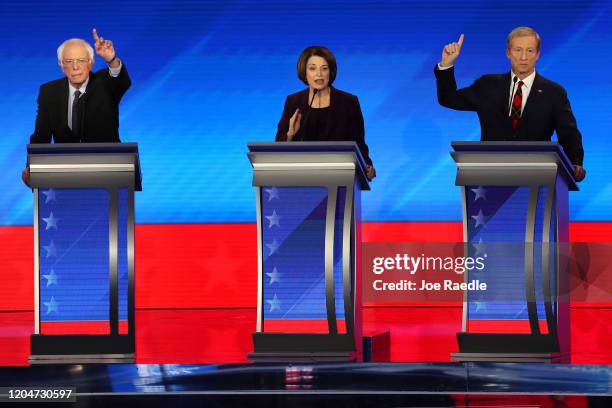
[114,72]
[526,89]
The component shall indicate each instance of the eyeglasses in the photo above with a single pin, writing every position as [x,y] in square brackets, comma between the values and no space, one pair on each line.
[71,62]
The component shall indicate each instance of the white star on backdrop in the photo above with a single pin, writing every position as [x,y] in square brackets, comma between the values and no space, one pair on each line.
[273,191]
[274,276]
[480,193]
[479,247]
[50,195]
[274,219]
[51,278]
[274,303]
[480,219]
[51,221]
[273,247]
[51,250]
[51,305]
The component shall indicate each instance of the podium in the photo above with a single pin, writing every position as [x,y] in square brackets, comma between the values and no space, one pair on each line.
[308,240]
[83,251]
[515,216]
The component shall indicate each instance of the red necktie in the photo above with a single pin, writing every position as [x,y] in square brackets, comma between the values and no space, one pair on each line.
[517,103]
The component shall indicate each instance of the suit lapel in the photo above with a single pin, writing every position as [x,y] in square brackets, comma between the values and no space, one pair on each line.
[63,105]
[532,100]
[504,97]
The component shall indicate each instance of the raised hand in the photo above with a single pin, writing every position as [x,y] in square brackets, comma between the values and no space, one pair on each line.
[104,48]
[294,124]
[450,52]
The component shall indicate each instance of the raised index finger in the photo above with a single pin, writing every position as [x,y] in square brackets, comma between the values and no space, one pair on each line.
[460,42]
[95,35]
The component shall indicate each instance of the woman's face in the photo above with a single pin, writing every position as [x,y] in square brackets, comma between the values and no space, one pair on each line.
[317,72]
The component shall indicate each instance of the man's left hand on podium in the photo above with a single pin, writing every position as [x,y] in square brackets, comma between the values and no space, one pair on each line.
[25,176]
[370,172]
[579,172]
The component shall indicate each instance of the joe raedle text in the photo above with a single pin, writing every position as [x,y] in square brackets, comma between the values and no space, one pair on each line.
[445,285]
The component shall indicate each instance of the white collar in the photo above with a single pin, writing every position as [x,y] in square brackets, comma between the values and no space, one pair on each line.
[527,82]
[82,89]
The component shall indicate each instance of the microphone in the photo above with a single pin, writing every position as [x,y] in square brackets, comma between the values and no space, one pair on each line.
[303,124]
[512,95]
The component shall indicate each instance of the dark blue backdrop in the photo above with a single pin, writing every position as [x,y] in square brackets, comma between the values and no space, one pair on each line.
[208,76]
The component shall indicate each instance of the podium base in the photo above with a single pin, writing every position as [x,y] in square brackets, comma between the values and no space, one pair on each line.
[82,359]
[81,348]
[509,347]
[301,357]
[511,357]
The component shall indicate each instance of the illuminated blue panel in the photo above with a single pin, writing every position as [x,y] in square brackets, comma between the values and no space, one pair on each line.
[293,237]
[497,219]
[208,76]
[74,260]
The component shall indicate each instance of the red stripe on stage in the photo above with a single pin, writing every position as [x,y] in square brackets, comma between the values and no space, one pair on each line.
[590,231]
[196,288]
[450,231]
[17,274]
[82,327]
[196,266]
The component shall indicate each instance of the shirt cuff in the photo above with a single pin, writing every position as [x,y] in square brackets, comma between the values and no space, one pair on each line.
[114,72]
[441,68]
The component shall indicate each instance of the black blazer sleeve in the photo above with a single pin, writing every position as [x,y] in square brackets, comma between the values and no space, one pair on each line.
[283,124]
[42,126]
[449,96]
[567,129]
[359,130]
[118,86]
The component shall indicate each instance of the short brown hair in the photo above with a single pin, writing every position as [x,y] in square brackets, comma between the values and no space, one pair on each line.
[319,51]
[523,32]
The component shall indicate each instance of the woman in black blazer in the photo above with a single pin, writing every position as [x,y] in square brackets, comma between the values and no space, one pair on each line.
[321,112]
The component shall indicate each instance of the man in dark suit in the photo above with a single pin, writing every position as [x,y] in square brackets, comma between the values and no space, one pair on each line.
[82,107]
[520,105]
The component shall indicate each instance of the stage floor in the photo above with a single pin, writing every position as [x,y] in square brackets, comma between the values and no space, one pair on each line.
[365,384]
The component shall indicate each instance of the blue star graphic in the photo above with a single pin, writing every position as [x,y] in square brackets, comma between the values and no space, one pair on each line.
[51,221]
[480,305]
[51,250]
[273,193]
[51,305]
[274,219]
[479,193]
[274,276]
[479,247]
[273,247]
[480,219]
[50,195]
[274,303]
[51,278]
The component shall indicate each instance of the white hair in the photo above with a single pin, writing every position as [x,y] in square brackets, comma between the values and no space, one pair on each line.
[60,49]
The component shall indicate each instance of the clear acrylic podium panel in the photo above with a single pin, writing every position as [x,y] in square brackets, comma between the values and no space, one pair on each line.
[74,281]
[496,224]
[293,245]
